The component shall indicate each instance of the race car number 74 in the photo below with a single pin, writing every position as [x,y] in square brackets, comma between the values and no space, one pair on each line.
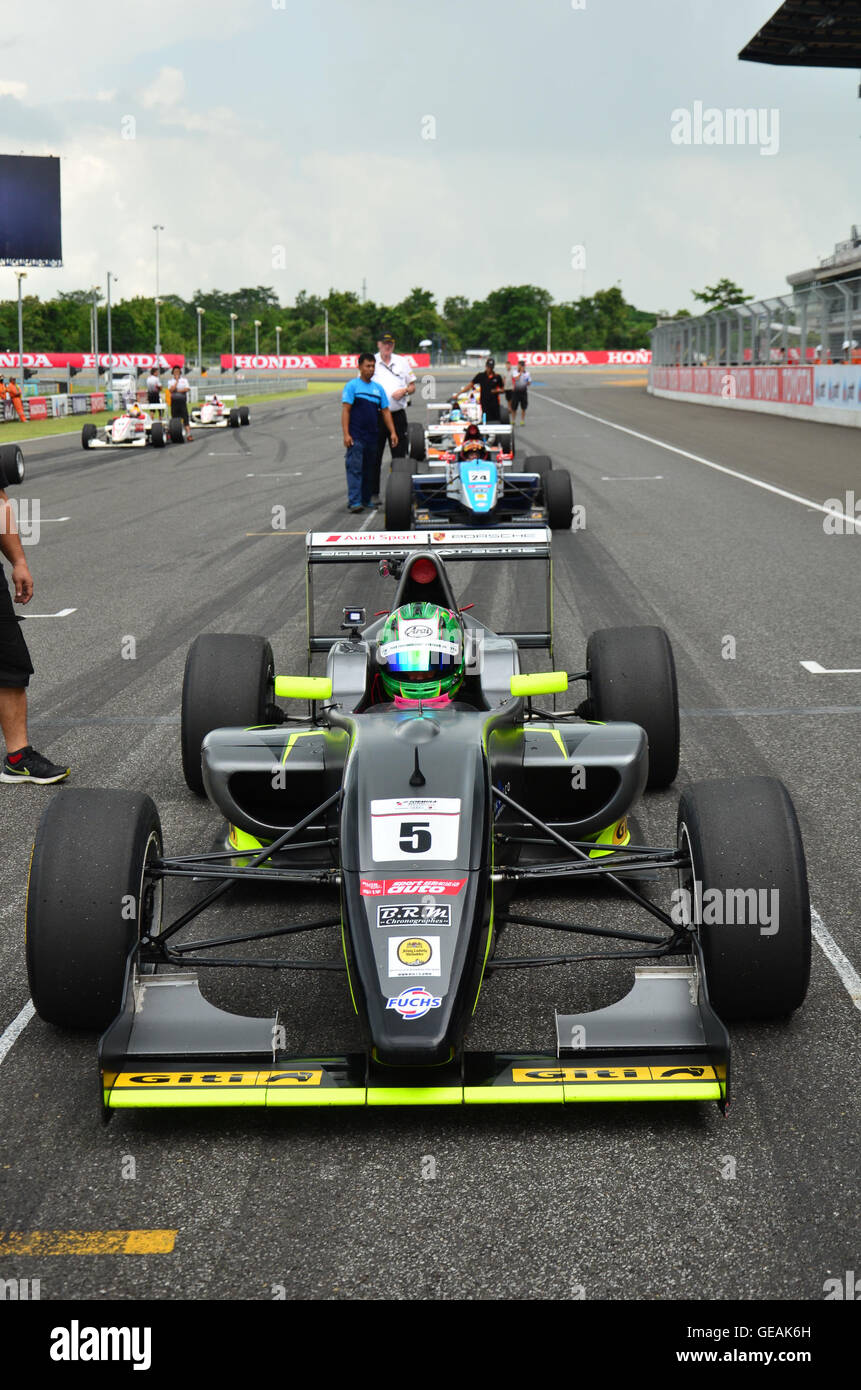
[415,827]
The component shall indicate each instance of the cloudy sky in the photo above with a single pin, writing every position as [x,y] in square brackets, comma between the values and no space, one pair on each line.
[449,144]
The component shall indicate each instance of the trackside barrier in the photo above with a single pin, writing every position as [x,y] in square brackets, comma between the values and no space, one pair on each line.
[828,394]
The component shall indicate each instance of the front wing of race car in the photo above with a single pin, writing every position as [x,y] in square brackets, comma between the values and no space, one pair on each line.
[170,1048]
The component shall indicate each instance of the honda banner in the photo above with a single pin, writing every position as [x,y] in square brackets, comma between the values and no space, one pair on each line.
[83,360]
[249,362]
[636,357]
[785,385]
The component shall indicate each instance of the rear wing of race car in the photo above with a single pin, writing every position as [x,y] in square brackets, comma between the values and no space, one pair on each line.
[458,427]
[372,547]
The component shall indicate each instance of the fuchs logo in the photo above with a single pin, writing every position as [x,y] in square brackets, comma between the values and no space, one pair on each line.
[413,915]
[414,1003]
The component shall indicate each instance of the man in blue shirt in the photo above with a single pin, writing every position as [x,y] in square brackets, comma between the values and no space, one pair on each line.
[362,404]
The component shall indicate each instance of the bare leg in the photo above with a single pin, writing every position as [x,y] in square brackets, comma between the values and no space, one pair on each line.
[13,716]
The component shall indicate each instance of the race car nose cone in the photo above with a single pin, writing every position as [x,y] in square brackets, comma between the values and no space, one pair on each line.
[418,730]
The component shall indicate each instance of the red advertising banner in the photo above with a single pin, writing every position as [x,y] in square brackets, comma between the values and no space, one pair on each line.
[87,359]
[97,401]
[37,407]
[636,357]
[787,385]
[245,362]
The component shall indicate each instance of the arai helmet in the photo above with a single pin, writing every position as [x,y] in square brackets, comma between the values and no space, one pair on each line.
[421,652]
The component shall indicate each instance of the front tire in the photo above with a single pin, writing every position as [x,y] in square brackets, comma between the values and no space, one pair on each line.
[229,680]
[157,434]
[558,500]
[176,431]
[742,838]
[399,502]
[88,901]
[87,433]
[417,448]
[632,677]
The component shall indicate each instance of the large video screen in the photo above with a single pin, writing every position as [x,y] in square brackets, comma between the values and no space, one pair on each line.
[30,232]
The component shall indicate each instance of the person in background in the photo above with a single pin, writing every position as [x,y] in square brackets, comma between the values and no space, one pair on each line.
[491,387]
[364,409]
[395,375]
[5,403]
[520,380]
[14,392]
[179,389]
[153,387]
[22,763]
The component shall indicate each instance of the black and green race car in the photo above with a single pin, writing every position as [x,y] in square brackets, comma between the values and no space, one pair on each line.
[430,778]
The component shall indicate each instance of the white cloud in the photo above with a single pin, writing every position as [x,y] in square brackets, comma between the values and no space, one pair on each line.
[18,90]
[167,90]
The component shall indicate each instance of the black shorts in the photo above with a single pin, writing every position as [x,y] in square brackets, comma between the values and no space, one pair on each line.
[179,408]
[519,400]
[16,668]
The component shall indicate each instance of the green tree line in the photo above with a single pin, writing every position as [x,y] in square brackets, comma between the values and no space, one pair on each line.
[509,318]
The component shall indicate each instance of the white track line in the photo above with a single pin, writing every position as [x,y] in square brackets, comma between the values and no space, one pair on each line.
[707,463]
[844,967]
[15,1029]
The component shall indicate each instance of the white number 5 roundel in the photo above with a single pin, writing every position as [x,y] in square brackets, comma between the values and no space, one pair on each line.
[415,828]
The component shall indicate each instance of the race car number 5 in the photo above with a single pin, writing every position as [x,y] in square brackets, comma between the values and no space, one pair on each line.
[404,830]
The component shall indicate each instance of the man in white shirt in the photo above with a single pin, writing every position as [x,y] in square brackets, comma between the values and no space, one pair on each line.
[153,387]
[398,381]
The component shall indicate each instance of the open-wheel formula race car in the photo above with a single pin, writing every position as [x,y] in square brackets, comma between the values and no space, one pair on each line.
[220,412]
[471,480]
[134,428]
[429,779]
[446,425]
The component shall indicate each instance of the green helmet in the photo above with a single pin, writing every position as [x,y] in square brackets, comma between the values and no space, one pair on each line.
[421,652]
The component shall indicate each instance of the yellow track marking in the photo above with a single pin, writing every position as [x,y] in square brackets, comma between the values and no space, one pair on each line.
[86,1242]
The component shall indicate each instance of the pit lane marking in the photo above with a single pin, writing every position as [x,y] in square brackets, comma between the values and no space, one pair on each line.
[153,1242]
[637,478]
[707,463]
[816,670]
[15,1029]
[63,613]
[841,963]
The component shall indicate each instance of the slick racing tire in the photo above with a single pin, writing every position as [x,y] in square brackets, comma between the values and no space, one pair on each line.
[416,441]
[87,433]
[88,901]
[537,463]
[558,500]
[632,676]
[11,465]
[233,419]
[399,502]
[405,466]
[175,430]
[742,841]
[156,434]
[504,414]
[229,681]
[244,415]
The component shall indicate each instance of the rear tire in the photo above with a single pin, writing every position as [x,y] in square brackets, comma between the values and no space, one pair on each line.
[399,502]
[244,415]
[11,465]
[405,466]
[538,463]
[87,902]
[504,415]
[176,431]
[633,677]
[229,680]
[743,835]
[558,500]
[417,449]
[156,434]
[87,433]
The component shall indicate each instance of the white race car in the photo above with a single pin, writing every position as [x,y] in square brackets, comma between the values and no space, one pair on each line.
[219,412]
[134,429]
[447,426]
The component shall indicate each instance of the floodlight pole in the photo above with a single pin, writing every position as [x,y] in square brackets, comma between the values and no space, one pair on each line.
[157,227]
[200,314]
[257,323]
[111,276]
[96,331]
[233,318]
[22,275]
[278,341]
[326,324]
[548,330]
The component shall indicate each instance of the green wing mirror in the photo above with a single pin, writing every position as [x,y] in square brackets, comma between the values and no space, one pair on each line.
[303,687]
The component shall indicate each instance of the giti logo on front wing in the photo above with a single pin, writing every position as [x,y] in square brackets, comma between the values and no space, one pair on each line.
[170,1079]
[522,1075]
